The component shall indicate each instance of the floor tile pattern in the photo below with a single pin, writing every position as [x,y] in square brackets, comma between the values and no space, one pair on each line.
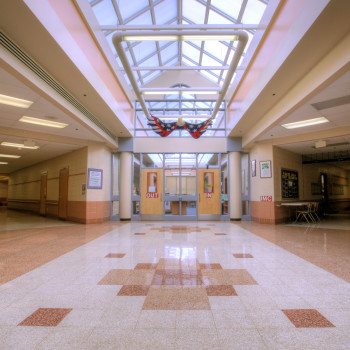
[47,317]
[307,318]
[220,234]
[244,255]
[115,255]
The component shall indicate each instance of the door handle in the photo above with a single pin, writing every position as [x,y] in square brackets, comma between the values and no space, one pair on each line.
[199,197]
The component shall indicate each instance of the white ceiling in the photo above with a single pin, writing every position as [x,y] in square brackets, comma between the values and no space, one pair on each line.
[41,108]
[338,117]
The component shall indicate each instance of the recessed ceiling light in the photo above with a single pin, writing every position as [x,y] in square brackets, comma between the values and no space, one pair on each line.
[16,102]
[18,145]
[9,156]
[3,163]
[304,123]
[42,122]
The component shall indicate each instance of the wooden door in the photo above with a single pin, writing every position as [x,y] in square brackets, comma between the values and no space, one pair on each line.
[208,191]
[152,192]
[43,194]
[63,193]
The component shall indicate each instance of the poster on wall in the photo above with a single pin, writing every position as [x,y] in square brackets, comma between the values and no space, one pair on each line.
[265,168]
[95,178]
[289,184]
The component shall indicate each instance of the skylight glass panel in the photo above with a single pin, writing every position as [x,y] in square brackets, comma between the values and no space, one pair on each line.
[150,77]
[152,61]
[209,76]
[129,8]
[105,13]
[231,7]
[190,51]
[169,52]
[145,49]
[208,61]
[215,18]
[216,48]
[145,18]
[171,62]
[253,12]
[193,10]
[187,62]
[165,11]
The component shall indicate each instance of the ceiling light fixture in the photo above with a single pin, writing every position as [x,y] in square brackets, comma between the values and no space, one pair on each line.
[3,163]
[18,145]
[304,123]
[16,102]
[181,92]
[43,122]
[205,37]
[9,156]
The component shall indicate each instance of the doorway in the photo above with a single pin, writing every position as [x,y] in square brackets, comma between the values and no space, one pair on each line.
[43,194]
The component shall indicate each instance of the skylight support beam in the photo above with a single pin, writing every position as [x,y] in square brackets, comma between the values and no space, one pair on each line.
[241,36]
[183,67]
[179,22]
[206,16]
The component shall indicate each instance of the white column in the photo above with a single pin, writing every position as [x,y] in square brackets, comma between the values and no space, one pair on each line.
[235,186]
[125,185]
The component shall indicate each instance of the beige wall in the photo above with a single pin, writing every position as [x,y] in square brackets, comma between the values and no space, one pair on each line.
[286,160]
[25,183]
[100,157]
[261,186]
[3,189]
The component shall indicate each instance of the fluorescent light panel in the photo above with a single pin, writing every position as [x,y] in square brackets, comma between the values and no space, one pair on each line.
[173,92]
[3,163]
[18,145]
[43,122]
[180,37]
[16,102]
[303,123]
[9,156]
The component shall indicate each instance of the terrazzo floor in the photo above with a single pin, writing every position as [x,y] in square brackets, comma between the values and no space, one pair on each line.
[171,285]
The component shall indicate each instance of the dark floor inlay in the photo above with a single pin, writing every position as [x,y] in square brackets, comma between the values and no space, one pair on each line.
[241,256]
[115,255]
[307,318]
[46,317]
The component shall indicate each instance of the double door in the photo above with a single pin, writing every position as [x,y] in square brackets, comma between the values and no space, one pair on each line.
[180,193]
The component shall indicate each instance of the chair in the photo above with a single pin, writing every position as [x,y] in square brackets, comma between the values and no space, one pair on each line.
[305,213]
[314,210]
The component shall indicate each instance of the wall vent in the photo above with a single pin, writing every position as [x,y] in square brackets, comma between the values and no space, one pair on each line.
[15,50]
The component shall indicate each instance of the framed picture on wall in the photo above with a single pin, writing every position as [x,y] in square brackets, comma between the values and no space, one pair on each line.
[265,168]
[95,178]
[253,168]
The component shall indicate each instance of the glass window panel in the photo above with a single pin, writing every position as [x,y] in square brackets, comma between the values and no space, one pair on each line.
[188,62]
[136,184]
[208,61]
[152,160]
[104,12]
[215,18]
[245,174]
[128,8]
[194,11]
[145,18]
[150,77]
[172,160]
[208,160]
[115,208]
[188,181]
[169,52]
[230,7]
[253,12]
[224,173]
[188,161]
[165,11]
[172,207]
[152,61]
[136,208]
[189,208]
[216,48]
[190,51]
[171,62]
[143,50]
[209,76]
[214,133]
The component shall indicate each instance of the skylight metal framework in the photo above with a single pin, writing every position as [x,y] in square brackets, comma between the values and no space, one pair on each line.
[149,59]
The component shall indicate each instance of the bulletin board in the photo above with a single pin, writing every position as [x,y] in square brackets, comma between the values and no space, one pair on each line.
[289,184]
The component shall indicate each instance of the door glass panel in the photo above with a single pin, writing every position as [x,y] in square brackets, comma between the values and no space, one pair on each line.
[189,208]
[223,184]
[245,174]
[115,208]
[116,174]
[136,208]
[172,182]
[188,178]
[172,160]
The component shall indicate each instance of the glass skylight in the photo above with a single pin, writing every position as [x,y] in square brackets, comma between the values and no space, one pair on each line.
[139,14]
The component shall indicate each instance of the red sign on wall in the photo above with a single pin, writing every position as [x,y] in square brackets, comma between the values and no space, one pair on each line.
[266,198]
[151,195]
